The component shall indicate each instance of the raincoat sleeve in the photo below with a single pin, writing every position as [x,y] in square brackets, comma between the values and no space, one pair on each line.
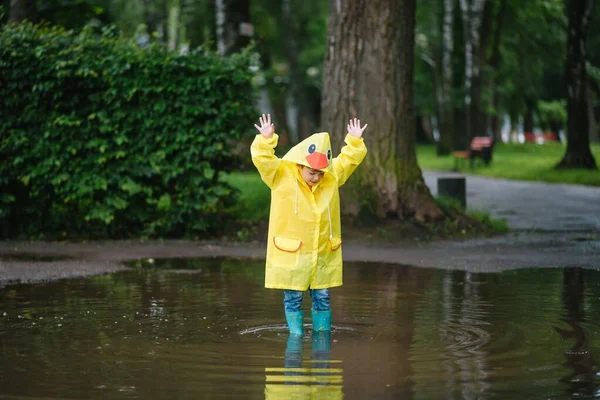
[263,157]
[351,155]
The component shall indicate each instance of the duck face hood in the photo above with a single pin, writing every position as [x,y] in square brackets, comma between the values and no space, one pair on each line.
[313,152]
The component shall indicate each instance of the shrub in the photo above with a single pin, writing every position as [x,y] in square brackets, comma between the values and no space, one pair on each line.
[102,138]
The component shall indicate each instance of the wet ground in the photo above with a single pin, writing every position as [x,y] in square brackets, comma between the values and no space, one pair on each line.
[508,317]
[554,225]
[209,329]
[33,261]
[530,206]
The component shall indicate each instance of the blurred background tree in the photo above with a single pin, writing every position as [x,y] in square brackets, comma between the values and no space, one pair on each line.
[498,68]
[481,66]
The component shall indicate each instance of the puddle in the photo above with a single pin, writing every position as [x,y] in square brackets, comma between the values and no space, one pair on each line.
[216,332]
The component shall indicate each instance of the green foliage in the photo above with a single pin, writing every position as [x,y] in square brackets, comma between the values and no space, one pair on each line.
[100,137]
[255,197]
[552,112]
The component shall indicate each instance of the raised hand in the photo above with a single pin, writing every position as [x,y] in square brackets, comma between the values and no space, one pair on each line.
[266,128]
[354,128]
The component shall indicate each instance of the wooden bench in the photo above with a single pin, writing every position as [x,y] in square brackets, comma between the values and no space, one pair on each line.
[480,147]
[541,138]
[530,137]
[550,137]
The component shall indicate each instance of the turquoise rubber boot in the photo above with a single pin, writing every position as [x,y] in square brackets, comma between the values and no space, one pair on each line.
[321,320]
[295,321]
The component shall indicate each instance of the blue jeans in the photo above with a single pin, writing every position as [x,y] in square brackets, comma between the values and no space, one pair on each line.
[292,300]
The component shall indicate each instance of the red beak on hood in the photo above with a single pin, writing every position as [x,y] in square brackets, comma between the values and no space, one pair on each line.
[317,160]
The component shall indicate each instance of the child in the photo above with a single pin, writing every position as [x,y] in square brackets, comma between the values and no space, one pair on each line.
[304,239]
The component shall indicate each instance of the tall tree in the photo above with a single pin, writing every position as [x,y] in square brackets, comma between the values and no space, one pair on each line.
[472,15]
[369,74]
[22,9]
[233,17]
[296,75]
[578,153]
[494,121]
[446,142]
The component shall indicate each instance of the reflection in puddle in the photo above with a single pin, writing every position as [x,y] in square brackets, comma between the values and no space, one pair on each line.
[317,377]
[215,332]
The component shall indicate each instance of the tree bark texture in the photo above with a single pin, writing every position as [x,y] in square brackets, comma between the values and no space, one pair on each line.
[578,154]
[229,15]
[368,74]
[22,9]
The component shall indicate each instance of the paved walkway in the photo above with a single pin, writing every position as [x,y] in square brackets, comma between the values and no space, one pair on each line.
[531,205]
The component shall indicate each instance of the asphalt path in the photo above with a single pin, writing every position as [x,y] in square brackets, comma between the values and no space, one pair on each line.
[528,206]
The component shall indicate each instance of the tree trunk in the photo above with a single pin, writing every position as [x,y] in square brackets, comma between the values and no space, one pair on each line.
[494,120]
[230,15]
[594,134]
[472,14]
[368,74]
[276,96]
[578,154]
[414,198]
[22,9]
[478,123]
[164,23]
[427,129]
[149,17]
[446,140]
[528,119]
[296,76]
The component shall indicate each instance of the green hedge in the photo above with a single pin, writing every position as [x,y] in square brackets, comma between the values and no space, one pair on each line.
[100,138]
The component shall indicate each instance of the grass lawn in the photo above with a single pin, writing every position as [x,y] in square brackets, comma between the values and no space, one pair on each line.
[510,161]
[527,162]
[255,196]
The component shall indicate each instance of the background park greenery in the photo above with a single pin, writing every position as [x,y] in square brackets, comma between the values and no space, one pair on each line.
[125,117]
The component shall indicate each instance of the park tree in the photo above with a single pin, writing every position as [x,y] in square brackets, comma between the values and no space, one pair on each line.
[475,34]
[446,117]
[290,36]
[492,79]
[290,33]
[593,71]
[368,74]
[233,25]
[578,153]
[22,9]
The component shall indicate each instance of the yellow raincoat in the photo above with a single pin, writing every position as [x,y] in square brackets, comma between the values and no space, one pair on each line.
[304,239]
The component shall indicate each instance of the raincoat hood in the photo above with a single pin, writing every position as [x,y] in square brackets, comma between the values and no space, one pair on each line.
[313,152]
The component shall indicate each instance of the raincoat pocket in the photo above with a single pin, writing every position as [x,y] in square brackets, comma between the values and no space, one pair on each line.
[286,255]
[335,243]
